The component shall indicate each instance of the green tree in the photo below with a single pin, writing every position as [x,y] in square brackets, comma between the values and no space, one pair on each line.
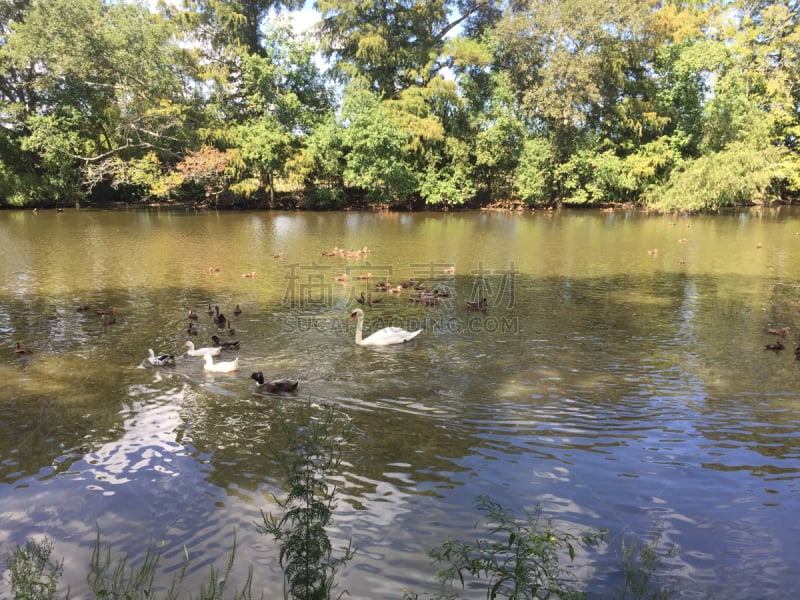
[499,140]
[580,75]
[734,176]
[375,149]
[392,45]
[282,97]
[449,180]
[746,137]
[264,147]
[685,63]
[534,173]
[17,91]
[755,97]
[437,151]
[552,54]
[321,164]
[109,82]
[230,23]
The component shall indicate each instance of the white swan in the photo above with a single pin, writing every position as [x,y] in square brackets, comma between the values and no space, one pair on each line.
[162,360]
[221,366]
[192,351]
[382,337]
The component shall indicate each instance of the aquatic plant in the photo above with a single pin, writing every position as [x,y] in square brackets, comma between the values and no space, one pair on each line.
[519,557]
[34,575]
[640,565]
[310,455]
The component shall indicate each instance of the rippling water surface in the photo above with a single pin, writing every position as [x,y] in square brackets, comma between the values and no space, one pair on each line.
[619,380]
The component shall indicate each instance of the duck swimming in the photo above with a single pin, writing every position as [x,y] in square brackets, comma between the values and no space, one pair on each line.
[162,360]
[221,366]
[481,304]
[777,346]
[782,332]
[192,351]
[276,385]
[367,299]
[232,345]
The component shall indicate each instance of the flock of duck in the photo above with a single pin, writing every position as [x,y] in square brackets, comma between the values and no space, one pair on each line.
[341,252]
[778,345]
[108,317]
[420,293]
[209,352]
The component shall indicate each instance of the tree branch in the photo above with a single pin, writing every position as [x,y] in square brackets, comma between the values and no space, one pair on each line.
[450,26]
[118,149]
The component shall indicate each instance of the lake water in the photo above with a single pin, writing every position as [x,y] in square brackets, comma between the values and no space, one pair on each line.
[619,380]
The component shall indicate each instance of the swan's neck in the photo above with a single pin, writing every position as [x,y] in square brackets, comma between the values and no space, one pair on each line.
[359,328]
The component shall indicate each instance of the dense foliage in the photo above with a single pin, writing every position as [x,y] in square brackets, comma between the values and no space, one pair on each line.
[671,105]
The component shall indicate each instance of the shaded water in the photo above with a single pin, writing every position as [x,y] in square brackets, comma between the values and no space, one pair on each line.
[615,386]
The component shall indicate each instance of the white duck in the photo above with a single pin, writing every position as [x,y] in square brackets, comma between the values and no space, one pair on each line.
[382,337]
[162,360]
[220,366]
[192,351]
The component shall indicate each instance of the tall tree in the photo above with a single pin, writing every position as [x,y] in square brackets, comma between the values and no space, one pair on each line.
[15,78]
[108,82]
[282,97]
[581,65]
[748,148]
[393,44]
[755,96]
[376,149]
[498,139]
[238,23]
[18,182]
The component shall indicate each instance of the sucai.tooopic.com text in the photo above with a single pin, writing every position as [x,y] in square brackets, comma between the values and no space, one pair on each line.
[446,324]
